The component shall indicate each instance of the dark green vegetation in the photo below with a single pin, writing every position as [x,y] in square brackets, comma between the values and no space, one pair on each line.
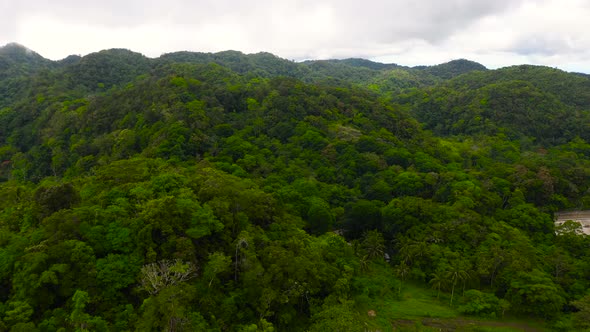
[199,192]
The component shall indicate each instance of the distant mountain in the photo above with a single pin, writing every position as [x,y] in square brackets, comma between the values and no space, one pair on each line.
[582,74]
[69,60]
[263,64]
[457,97]
[453,68]
[106,68]
[16,59]
[119,66]
[17,65]
[357,62]
[569,88]
[545,105]
[347,71]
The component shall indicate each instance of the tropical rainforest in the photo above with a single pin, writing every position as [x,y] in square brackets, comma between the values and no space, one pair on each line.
[234,192]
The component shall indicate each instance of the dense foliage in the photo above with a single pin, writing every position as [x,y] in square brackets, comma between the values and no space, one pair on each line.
[228,192]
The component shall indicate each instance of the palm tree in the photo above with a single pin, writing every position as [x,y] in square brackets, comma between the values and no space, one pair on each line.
[455,273]
[364,263]
[405,249]
[438,279]
[373,244]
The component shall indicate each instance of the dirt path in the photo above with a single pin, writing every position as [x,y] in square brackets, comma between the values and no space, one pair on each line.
[459,324]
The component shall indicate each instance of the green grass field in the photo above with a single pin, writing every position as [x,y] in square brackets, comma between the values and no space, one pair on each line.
[418,309]
[415,302]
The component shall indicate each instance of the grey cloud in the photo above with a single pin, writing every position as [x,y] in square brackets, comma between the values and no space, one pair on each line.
[9,11]
[133,12]
[427,20]
[387,20]
[541,45]
[308,28]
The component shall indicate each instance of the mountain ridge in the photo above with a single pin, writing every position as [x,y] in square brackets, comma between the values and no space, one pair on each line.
[353,61]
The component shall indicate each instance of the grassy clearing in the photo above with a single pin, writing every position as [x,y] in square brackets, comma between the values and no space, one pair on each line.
[415,302]
[416,308]
[404,313]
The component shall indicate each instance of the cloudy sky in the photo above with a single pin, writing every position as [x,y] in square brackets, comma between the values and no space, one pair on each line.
[495,33]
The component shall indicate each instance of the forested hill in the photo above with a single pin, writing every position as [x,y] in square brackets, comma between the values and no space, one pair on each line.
[232,192]
[17,60]
[547,106]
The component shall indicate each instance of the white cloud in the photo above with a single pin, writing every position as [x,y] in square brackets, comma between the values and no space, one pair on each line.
[410,32]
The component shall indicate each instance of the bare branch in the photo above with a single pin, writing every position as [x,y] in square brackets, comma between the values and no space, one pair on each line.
[156,276]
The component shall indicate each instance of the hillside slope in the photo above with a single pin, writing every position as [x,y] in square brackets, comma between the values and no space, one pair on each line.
[231,192]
